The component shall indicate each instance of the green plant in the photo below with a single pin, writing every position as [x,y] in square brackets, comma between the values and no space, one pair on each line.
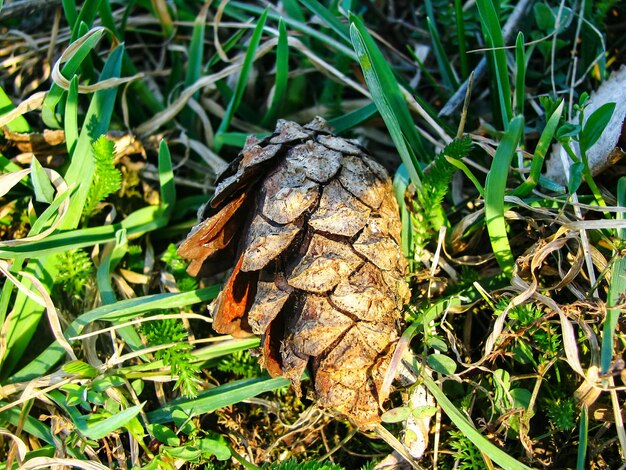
[177,356]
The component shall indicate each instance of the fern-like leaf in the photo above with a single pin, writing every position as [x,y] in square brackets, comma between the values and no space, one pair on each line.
[292,464]
[75,270]
[107,179]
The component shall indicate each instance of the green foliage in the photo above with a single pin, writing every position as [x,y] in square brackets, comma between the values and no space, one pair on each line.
[466,454]
[178,267]
[75,272]
[562,413]
[178,356]
[240,363]
[292,464]
[107,179]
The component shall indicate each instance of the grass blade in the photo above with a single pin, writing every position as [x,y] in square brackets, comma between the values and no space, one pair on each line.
[353,118]
[106,426]
[520,74]
[166,180]
[19,124]
[460,33]
[282,73]
[388,99]
[583,434]
[120,311]
[83,47]
[194,62]
[97,119]
[447,74]
[243,79]
[495,186]
[617,287]
[495,42]
[70,120]
[543,145]
[218,397]
[460,421]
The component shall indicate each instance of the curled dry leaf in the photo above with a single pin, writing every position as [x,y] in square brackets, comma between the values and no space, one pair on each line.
[310,224]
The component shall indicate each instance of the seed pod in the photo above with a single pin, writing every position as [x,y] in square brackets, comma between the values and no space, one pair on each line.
[310,224]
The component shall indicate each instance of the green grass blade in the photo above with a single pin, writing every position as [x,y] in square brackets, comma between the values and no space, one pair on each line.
[19,124]
[297,24]
[388,99]
[282,74]
[141,221]
[520,73]
[464,168]
[120,311]
[583,435]
[543,145]
[86,14]
[445,68]
[166,180]
[82,165]
[87,43]
[194,62]
[460,33]
[218,397]
[103,428]
[496,454]
[495,41]
[495,186]
[353,118]
[69,8]
[70,119]
[243,78]
[617,287]
[320,11]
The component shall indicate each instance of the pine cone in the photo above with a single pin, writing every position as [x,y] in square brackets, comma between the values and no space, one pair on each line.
[312,228]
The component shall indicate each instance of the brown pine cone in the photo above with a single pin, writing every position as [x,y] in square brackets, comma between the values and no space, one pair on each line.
[311,225]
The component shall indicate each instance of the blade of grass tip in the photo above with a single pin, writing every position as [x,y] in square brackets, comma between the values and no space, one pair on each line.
[467,428]
[120,311]
[242,82]
[194,63]
[321,12]
[460,33]
[282,74]
[86,15]
[495,186]
[495,42]
[447,73]
[353,118]
[218,397]
[388,99]
[520,73]
[583,434]
[617,287]
[70,121]
[19,124]
[78,52]
[166,179]
[540,152]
